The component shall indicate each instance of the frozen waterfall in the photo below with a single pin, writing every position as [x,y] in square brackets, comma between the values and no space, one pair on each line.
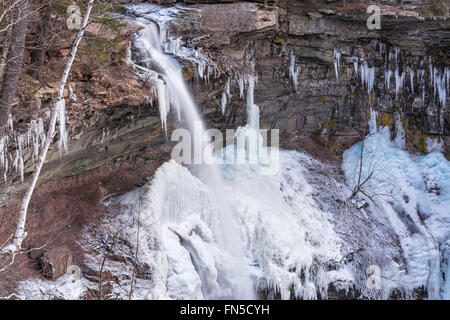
[172,92]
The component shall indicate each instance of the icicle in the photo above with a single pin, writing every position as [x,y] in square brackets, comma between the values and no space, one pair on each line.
[391,56]
[387,78]
[447,72]
[423,93]
[293,72]
[226,93]
[411,78]
[397,51]
[241,87]
[430,65]
[399,80]
[355,65]
[367,76]
[227,88]
[435,77]
[18,161]
[363,72]
[62,142]
[32,138]
[371,79]
[439,86]
[421,75]
[223,103]
[3,150]
[201,69]
[337,61]
[164,107]
[373,121]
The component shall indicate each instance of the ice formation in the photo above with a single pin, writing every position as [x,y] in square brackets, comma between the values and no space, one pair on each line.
[355,64]
[434,145]
[337,61]
[399,80]
[411,79]
[164,107]
[223,102]
[402,187]
[226,93]
[32,138]
[440,85]
[373,121]
[387,78]
[367,76]
[241,87]
[152,46]
[293,71]
[149,42]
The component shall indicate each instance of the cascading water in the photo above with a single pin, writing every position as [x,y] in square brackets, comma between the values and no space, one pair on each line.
[172,91]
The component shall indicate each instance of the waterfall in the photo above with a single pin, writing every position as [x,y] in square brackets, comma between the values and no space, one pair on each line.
[174,92]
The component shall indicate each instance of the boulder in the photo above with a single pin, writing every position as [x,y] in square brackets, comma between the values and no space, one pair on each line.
[36,253]
[55,262]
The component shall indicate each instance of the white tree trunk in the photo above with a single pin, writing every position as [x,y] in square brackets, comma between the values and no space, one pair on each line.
[20,233]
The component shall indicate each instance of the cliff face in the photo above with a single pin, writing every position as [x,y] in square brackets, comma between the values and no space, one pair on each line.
[115,135]
[330,109]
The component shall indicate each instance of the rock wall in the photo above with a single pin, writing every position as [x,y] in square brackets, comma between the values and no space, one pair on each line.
[333,111]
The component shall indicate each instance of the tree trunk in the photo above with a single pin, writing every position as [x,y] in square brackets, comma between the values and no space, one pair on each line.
[43,30]
[13,67]
[6,40]
[20,233]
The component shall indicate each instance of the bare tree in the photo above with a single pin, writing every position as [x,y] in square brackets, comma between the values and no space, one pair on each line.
[5,39]
[41,39]
[20,233]
[14,60]
[359,187]
[109,250]
[6,8]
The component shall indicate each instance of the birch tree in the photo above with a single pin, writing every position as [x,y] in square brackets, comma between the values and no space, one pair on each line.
[20,233]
